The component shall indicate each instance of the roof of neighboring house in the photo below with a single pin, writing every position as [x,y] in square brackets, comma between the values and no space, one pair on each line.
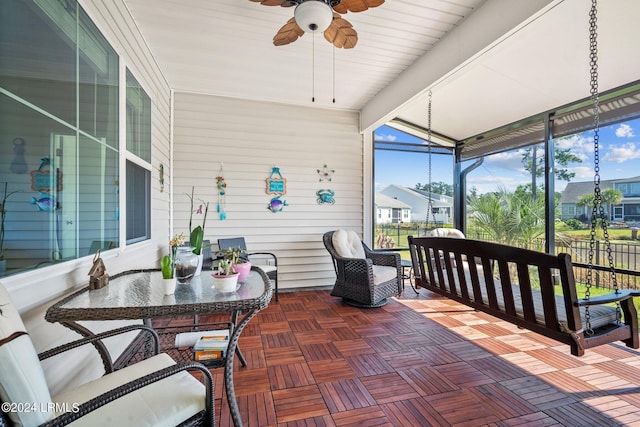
[436,197]
[575,190]
[384,201]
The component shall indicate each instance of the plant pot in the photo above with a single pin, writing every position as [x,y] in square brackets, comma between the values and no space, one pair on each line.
[169,286]
[186,264]
[225,284]
[243,270]
[199,267]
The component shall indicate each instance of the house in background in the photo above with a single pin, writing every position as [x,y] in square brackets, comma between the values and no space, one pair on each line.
[628,210]
[418,200]
[390,210]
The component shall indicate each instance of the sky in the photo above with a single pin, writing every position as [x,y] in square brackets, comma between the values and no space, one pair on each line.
[619,148]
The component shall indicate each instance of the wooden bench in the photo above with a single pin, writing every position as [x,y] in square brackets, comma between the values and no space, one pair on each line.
[519,286]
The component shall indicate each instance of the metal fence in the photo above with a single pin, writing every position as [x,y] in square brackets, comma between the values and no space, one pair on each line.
[626,256]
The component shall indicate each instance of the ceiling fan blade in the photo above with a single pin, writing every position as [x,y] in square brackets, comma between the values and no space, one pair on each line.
[289,33]
[355,5]
[341,33]
[283,3]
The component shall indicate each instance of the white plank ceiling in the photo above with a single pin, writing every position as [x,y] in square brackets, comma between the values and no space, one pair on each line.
[532,63]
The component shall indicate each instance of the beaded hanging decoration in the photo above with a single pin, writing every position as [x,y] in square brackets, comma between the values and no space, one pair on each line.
[221,185]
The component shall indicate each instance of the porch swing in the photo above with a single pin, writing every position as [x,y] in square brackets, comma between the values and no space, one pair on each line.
[523,293]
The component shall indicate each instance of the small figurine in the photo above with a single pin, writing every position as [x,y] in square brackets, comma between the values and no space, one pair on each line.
[98,277]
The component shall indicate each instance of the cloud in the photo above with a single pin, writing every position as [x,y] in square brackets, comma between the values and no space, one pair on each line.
[625,131]
[385,137]
[579,145]
[622,153]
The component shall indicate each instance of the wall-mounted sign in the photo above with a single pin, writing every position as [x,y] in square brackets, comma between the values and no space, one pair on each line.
[276,184]
[46,180]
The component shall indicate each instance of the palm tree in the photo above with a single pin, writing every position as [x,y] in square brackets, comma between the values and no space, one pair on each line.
[509,218]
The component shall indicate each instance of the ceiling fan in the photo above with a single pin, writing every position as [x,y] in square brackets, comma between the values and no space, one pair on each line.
[320,16]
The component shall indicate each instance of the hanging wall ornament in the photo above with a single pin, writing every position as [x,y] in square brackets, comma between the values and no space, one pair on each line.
[276,184]
[325,196]
[221,185]
[161,178]
[325,173]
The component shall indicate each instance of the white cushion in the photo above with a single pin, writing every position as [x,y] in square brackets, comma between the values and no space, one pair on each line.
[166,402]
[21,377]
[347,244]
[383,273]
[445,232]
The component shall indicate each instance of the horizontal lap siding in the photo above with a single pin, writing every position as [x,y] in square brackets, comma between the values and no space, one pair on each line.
[250,138]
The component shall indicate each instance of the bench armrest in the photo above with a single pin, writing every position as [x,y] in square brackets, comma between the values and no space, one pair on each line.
[621,295]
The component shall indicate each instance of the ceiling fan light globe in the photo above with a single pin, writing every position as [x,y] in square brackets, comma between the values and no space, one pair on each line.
[313,16]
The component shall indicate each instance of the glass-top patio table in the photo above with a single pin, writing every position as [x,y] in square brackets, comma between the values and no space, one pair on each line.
[138,294]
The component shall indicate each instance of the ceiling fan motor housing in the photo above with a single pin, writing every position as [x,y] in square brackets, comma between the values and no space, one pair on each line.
[314,16]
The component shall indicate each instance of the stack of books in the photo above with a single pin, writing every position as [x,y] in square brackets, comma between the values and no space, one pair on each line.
[211,347]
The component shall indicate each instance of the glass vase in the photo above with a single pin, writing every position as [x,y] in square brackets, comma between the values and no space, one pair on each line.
[186,264]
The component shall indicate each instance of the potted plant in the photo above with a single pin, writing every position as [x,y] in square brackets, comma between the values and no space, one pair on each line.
[168,279]
[196,235]
[225,279]
[242,266]
[3,214]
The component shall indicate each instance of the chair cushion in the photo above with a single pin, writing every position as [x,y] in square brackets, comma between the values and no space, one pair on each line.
[382,273]
[445,232]
[347,244]
[148,406]
[21,377]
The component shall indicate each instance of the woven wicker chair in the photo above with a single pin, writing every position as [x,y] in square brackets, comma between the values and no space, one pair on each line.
[152,392]
[364,278]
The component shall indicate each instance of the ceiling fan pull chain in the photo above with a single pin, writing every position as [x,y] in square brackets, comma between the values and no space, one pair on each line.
[334,74]
[313,67]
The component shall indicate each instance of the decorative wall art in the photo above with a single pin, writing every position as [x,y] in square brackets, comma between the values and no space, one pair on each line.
[325,173]
[325,196]
[161,178]
[221,185]
[276,184]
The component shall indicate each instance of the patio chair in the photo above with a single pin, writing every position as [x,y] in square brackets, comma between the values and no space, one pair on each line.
[364,278]
[266,261]
[155,391]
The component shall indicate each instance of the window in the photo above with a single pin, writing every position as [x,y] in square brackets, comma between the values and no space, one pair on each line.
[59,138]
[401,175]
[138,168]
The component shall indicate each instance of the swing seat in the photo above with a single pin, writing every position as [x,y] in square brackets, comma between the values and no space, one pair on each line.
[523,291]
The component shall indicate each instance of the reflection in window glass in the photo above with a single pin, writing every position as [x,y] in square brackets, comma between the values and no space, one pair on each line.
[138,203]
[138,119]
[60,170]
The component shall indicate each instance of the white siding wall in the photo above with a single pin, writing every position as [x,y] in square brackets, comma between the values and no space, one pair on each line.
[34,291]
[250,138]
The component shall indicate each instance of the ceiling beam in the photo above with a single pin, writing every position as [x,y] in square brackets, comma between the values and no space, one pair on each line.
[485,27]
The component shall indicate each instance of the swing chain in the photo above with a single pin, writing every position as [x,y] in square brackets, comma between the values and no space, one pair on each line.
[598,209]
[430,213]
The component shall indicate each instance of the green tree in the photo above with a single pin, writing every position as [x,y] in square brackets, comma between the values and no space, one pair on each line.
[511,218]
[437,188]
[609,196]
[563,157]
